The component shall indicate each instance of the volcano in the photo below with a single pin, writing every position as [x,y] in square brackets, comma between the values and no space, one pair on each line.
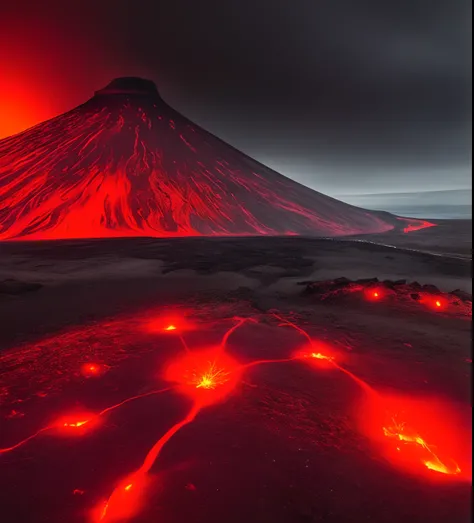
[126,164]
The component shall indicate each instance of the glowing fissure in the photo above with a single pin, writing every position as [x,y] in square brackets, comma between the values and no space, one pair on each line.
[74,423]
[122,165]
[207,376]
[158,446]
[431,461]
[23,441]
[396,430]
[415,225]
[202,374]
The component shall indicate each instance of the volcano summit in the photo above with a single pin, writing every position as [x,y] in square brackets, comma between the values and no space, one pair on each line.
[126,164]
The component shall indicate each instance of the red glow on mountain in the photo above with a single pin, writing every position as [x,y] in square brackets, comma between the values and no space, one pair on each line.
[126,164]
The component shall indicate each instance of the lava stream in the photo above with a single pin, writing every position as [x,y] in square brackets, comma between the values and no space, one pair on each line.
[124,502]
[317,355]
[23,441]
[66,423]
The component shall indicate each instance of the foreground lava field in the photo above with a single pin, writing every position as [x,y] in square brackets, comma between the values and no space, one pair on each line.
[134,388]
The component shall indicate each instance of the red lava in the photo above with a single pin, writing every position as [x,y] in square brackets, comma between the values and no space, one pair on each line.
[90,370]
[146,171]
[435,303]
[76,424]
[373,294]
[424,436]
[416,225]
[206,376]
[419,436]
[125,501]
[173,323]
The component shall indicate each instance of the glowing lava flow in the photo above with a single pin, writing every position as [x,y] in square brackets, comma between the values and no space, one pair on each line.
[133,398]
[415,225]
[394,430]
[240,322]
[125,164]
[430,460]
[23,441]
[317,355]
[66,423]
[125,500]
[206,376]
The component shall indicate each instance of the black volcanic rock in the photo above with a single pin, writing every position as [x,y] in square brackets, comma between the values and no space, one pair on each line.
[129,85]
[126,164]
[463,295]
[364,281]
[431,289]
[14,287]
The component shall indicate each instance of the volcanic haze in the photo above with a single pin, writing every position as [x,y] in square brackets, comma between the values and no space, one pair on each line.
[126,164]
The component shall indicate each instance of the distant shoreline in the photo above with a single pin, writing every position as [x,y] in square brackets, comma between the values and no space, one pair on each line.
[453,204]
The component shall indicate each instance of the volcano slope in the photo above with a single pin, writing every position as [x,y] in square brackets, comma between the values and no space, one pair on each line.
[126,164]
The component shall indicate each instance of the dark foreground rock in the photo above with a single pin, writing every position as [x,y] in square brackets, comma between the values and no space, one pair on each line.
[14,287]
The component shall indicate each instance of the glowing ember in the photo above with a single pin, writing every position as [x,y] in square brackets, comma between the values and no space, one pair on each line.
[75,424]
[373,294]
[91,369]
[435,303]
[212,378]
[319,356]
[170,323]
[206,376]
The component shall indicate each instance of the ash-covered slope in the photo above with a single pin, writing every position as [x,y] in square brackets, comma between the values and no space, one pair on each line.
[126,164]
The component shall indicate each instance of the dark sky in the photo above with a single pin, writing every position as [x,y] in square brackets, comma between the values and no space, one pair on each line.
[342,95]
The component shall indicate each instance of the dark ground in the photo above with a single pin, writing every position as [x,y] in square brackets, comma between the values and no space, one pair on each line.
[285,446]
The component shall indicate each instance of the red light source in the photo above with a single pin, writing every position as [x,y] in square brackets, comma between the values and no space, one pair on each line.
[373,294]
[90,370]
[434,302]
[206,376]
[75,423]
[169,323]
